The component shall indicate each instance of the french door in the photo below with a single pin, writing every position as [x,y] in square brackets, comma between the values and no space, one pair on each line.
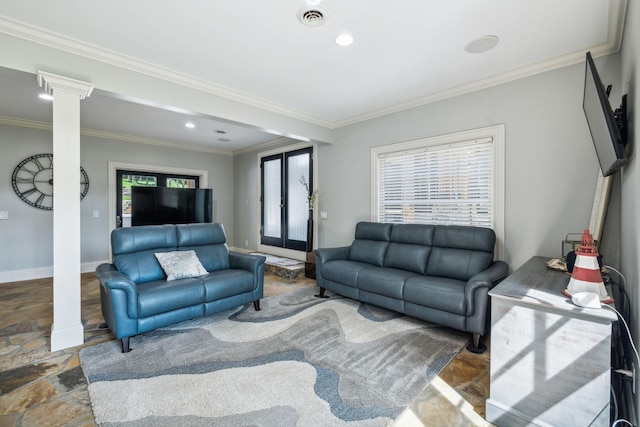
[125,179]
[284,198]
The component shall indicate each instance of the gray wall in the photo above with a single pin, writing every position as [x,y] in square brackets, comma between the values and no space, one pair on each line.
[551,165]
[27,237]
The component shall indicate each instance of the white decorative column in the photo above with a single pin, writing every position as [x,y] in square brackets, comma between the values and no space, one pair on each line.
[66,330]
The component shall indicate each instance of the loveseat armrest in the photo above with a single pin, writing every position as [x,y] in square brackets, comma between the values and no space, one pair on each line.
[110,279]
[247,262]
[485,280]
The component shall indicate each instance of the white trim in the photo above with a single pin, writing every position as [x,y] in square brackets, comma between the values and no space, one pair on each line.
[272,250]
[22,30]
[497,133]
[42,273]
[83,49]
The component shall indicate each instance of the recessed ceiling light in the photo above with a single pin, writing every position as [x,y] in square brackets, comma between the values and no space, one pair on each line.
[189,125]
[46,96]
[224,140]
[220,131]
[482,44]
[344,39]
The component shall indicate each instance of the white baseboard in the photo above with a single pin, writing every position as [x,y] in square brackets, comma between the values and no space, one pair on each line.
[42,272]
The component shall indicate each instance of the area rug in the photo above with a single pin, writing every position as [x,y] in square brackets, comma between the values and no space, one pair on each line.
[300,361]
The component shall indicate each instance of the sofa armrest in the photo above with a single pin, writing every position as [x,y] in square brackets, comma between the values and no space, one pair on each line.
[330,254]
[324,255]
[484,280]
[110,278]
[247,262]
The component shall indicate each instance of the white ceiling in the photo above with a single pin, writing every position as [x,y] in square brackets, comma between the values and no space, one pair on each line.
[405,53]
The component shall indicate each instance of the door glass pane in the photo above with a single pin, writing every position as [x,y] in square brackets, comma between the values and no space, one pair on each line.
[128,181]
[272,196]
[297,207]
[181,182]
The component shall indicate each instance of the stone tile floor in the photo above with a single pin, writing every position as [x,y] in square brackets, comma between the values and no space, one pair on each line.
[41,388]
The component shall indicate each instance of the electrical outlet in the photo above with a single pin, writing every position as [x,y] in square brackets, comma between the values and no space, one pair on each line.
[246,243]
[4,215]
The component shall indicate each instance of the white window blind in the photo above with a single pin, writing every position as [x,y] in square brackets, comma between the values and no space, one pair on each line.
[449,184]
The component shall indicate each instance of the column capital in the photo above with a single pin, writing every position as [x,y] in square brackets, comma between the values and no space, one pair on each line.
[52,82]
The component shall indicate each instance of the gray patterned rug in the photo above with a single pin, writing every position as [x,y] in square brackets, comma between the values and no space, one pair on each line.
[300,361]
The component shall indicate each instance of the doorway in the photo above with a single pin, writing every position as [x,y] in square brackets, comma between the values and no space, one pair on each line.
[125,179]
[283,196]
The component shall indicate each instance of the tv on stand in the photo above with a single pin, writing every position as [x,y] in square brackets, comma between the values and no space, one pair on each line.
[166,205]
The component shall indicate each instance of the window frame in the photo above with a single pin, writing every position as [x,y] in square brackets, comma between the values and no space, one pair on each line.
[496,133]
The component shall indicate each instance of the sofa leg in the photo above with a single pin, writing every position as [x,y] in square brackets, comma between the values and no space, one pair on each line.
[475,346]
[321,293]
[125,345]
[256,305]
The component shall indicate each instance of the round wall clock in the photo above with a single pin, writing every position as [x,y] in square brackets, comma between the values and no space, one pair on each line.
[32,181]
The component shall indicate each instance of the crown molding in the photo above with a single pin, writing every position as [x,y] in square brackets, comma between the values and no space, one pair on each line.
[265,145]
[114,136]
[18,29]
[73,46]
[560,62]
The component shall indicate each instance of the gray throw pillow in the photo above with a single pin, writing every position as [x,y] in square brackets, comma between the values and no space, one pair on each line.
[180,264]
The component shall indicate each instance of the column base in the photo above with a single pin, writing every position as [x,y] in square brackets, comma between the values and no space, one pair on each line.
[62,338]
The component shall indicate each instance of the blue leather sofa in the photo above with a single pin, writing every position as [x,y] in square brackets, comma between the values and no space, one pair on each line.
[136,296]
[441,274]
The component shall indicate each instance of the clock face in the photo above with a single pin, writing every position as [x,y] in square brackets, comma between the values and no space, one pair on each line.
[32,181]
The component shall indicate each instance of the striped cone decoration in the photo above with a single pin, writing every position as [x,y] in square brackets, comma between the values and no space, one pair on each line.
[586,275]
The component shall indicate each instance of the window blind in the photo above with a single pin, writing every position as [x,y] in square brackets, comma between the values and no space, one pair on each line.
[450,184]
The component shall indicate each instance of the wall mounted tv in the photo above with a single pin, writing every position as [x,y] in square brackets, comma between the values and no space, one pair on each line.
[608,128]
[165,205]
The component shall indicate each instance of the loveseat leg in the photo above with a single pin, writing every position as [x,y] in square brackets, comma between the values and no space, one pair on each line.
[321,293]
[125,345]
[475,346]
[256,305]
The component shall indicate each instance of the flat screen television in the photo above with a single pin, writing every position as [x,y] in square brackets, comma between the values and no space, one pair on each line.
[165,205]
[608,129]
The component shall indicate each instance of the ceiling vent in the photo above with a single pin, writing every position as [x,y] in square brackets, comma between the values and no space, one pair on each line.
[312,16]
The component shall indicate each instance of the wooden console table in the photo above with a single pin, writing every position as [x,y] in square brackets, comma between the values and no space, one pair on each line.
[550,360]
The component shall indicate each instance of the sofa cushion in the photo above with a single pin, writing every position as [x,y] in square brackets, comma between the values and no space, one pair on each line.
[418,234]
[200,234]
[373,231]
[343,271]
[212,257]
[405,256]
[464,237]
[458,264]
[436,292]
[461,252]
[134,239]
[208,241]
[140,266]
[180,264]
[368,251]
[225,283]
[162,296]
[384,281]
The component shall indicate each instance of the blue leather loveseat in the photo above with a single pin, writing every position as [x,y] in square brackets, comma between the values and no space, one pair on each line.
[441,274]
[137,296]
